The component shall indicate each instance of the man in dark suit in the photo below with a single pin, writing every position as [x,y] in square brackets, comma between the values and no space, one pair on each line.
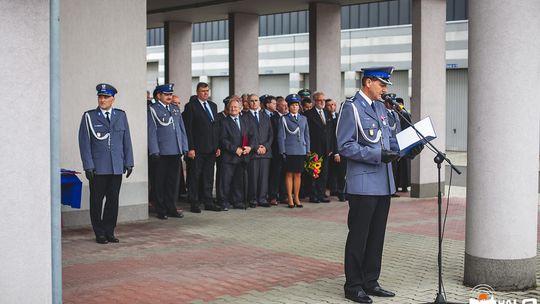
[320,128]
[237,140]
[199,118]
[337,167]
[259,164]
[276,188]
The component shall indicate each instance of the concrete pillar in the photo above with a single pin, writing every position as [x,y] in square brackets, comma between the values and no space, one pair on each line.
[503,139]
[25,181]
[351,79]
[102,45]
[325,48]
[243,53]
[428,87]
[296,82]
[178,57]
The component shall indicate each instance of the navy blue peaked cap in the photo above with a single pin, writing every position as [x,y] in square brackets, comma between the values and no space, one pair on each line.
[167,88]
[292,98]
[381,73]
[106,89]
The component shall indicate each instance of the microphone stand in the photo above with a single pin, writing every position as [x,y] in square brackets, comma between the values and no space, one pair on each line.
[439,158]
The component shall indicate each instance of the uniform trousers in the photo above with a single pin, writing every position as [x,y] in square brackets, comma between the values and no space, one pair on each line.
[258,172]
[363,250]
[104,216]
[166,182]
[201,179]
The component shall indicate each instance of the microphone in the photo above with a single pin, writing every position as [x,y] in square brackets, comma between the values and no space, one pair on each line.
[391,98]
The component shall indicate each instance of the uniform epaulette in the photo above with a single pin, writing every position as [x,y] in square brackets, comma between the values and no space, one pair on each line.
[351,99]
[90,111]
[119,110]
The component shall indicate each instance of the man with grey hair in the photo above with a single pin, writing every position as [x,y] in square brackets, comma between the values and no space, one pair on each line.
[320,128]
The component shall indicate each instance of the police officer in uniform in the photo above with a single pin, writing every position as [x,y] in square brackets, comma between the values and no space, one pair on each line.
[167,142]
[365,139]
[293,144]
[106,153]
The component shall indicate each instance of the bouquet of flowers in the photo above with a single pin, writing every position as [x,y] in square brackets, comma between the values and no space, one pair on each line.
[313,165]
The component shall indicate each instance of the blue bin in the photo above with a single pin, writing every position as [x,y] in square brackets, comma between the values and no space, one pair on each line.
[71,187]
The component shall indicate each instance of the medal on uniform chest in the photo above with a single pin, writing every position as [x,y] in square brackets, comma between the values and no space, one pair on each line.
[383,118]
[98,134]
[371,132]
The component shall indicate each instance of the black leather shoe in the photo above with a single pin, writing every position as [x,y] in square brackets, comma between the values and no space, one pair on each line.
[341,197]
[113,239]
[212,207]
[239,206]
[314,200]
[358,297]
[324,200]
[176,214]
[378,291]
[101,239]
[395,195]
[264,204]
[252,205]
[162,216]
[195,209]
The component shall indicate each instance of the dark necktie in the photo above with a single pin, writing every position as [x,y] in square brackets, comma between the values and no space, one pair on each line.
[237,123]
[168,109]
[321,114]
[208,111]
[107,116]
[373,107]
[295,117]
[256,116]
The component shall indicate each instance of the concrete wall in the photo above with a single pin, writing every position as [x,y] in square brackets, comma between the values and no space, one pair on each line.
[104,41]
[25,180]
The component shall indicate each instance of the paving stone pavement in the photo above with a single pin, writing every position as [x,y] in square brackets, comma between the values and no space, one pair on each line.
[264,255]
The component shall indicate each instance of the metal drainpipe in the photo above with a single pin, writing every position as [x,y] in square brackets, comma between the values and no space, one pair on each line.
[54,91]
